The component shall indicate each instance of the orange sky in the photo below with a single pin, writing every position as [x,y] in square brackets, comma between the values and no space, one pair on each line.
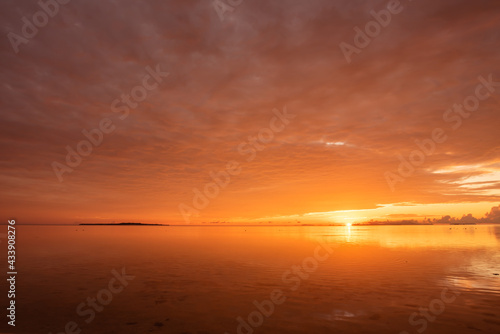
[226,83]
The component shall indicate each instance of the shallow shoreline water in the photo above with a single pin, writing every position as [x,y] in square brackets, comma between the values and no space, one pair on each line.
[312,279]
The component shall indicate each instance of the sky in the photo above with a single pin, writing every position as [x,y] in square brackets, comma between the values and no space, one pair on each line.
[260,111]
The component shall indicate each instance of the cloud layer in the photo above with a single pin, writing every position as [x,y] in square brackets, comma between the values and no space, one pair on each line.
[225,78]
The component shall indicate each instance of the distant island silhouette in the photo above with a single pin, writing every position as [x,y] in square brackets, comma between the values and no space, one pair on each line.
[123,224]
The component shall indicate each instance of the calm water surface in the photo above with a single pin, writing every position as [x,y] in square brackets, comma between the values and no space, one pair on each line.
[202,279]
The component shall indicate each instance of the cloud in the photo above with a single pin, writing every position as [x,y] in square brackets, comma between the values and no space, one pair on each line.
[226,77]
[494,215]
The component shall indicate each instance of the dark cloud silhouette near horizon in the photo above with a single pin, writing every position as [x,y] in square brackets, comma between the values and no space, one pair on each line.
[225,78]
[491,217]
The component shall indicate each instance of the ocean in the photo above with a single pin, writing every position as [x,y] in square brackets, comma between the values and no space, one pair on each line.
[256,279]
